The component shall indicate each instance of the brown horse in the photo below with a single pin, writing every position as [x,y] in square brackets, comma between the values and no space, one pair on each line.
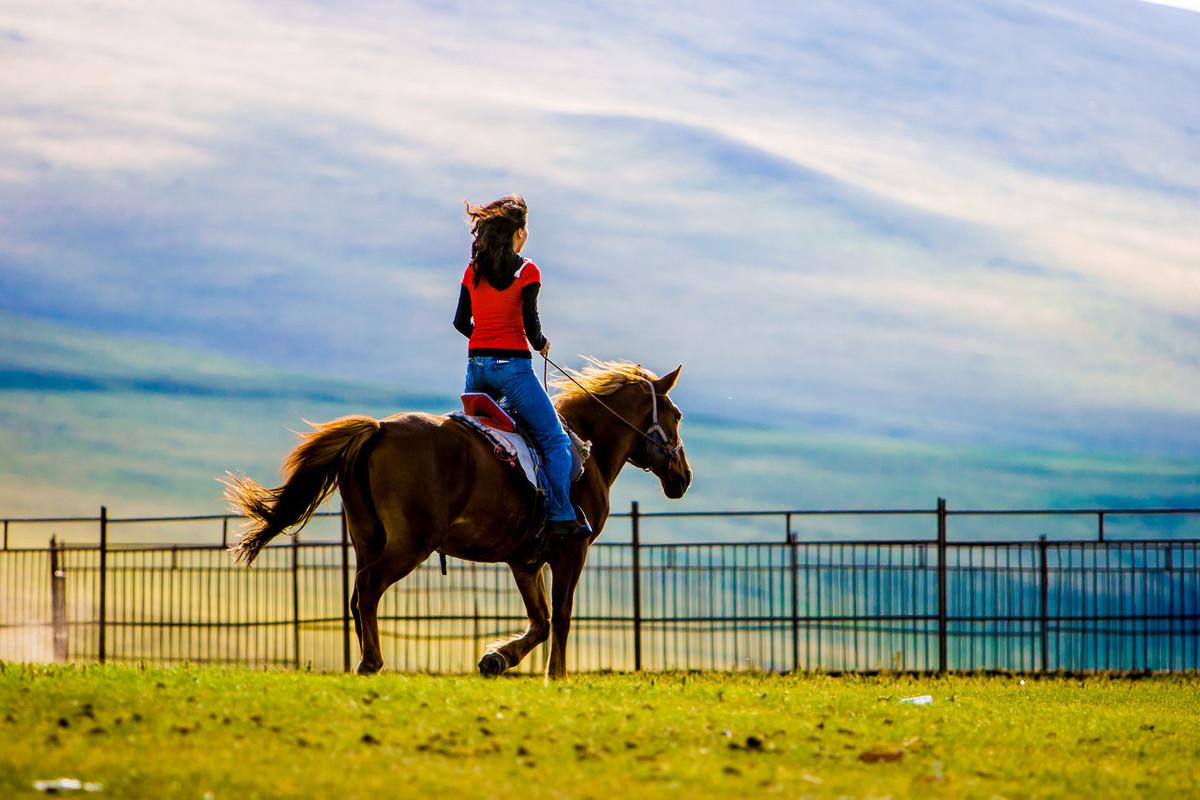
[413,484]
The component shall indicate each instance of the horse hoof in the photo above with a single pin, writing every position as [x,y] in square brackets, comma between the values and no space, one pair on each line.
[367,669]
[492,664]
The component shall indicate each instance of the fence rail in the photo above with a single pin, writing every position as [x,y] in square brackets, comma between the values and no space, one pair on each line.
[802,600]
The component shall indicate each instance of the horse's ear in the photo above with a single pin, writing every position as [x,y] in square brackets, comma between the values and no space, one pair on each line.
[667,382]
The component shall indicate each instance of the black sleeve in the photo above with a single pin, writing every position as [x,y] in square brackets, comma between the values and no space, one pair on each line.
[533,325]
[462,314]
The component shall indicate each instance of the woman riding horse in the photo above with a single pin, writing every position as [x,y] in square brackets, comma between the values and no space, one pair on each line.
[414,484]
[499,290]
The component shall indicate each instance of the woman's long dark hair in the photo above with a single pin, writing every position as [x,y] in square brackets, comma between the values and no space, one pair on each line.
[493,226]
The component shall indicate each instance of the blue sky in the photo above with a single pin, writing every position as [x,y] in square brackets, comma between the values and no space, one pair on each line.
[1190,5]
[968,222]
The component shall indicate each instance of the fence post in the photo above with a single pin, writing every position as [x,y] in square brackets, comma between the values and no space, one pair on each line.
[296,600]
[1100,524]
[345,594]
[795,566]
[636,543]
[941,584]
[1170,612]
[58,602]
[102,642]
[1045,591]
[5,534]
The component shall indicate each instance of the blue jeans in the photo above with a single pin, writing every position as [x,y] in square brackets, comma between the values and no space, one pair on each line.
[514,380]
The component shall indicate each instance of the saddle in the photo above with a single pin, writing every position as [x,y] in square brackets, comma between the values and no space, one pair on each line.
[488,418]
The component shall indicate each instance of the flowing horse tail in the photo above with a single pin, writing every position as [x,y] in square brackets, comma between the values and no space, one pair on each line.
[311,475]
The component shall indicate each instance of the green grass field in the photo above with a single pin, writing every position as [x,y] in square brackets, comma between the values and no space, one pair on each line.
[236,733]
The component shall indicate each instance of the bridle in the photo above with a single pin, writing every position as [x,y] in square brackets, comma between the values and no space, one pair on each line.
[653,451]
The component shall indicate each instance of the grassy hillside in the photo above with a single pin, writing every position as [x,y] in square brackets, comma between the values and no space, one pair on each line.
[145,429]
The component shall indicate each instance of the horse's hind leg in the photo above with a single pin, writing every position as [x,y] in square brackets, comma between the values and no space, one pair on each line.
[506,655]
[368,589]
[394,518]
[357,617]
[370,582]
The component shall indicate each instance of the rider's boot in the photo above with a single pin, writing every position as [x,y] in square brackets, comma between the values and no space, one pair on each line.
[570,527]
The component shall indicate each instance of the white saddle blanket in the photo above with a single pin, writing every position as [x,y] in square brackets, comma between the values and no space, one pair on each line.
[510,447]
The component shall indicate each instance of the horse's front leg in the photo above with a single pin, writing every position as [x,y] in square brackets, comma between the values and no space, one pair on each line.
[507,654]
[567,564]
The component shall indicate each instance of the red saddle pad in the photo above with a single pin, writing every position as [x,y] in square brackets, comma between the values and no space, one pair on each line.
[486,410]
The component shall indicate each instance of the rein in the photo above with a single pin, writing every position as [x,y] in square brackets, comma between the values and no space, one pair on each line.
[660,443]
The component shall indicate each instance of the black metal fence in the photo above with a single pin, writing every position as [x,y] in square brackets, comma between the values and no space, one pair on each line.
[804,600]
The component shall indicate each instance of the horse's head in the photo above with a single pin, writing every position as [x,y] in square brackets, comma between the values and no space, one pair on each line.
[607,399]
[660,449]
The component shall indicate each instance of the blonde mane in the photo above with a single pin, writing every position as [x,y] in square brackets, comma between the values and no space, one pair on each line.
[600,377]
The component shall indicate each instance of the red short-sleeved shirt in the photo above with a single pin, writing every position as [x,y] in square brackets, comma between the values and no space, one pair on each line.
[497,312]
